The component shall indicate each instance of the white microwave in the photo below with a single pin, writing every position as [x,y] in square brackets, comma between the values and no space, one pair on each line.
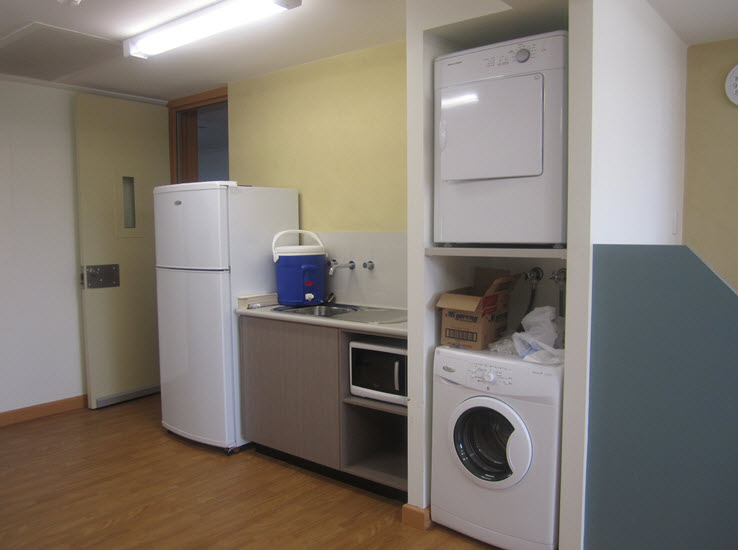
[379,371]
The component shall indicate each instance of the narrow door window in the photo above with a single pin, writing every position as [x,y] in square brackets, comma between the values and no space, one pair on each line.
[129,203]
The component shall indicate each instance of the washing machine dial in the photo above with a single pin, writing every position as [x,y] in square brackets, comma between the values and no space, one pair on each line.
[488,377]
[522,55]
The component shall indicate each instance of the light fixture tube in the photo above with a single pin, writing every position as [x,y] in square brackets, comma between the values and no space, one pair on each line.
[213,19]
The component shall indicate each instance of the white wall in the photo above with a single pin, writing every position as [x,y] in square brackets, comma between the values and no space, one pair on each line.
[578,277]
[627,86]
[638,126]
[40,358]
[382,286]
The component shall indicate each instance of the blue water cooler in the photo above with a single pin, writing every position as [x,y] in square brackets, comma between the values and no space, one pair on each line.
[300,270]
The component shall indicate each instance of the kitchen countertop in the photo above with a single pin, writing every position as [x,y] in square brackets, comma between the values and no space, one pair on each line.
[268,312]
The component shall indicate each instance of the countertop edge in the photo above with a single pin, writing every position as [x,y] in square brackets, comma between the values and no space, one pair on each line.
[388,329]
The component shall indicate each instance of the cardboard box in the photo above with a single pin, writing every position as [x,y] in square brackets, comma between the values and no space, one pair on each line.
[472,317]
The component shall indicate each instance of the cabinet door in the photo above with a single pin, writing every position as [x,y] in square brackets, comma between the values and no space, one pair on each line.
[289,384]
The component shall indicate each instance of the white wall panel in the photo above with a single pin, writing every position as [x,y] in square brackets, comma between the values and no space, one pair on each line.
[639,101]
[40,358]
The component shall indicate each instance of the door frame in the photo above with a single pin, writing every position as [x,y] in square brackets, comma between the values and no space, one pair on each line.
[216,95]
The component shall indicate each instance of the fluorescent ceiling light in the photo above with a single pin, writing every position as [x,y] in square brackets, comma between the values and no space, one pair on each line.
[213,19]
[455,101]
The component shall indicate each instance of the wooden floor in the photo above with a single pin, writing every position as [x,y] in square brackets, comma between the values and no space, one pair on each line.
[114,479]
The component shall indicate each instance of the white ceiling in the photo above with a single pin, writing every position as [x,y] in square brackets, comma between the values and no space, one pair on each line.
[699,21]
[315,30]
[80,45]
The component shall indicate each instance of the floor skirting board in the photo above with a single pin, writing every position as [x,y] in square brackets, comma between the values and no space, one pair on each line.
[44,409]
[416,517]
[126,396]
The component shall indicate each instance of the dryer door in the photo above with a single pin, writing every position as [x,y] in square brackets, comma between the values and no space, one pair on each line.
[491,129]
[490,441]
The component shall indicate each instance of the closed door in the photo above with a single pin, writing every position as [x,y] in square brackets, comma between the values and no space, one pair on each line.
[122,154]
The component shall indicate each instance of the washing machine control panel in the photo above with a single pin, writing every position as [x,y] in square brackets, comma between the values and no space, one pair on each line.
[496,374]
[484,376]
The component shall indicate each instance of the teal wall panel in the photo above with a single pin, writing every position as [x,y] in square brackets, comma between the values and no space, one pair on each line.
[662,464]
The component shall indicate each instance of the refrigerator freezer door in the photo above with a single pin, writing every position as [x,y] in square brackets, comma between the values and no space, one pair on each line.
[191,226]
[196,360]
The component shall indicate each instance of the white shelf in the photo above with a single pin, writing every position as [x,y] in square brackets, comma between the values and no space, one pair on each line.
[383,467]
[376,405]
[480,252]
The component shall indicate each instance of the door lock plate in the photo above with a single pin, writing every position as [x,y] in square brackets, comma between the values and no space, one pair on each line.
[102,276]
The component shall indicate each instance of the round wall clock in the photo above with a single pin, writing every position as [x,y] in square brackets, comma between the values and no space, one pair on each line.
[731,85]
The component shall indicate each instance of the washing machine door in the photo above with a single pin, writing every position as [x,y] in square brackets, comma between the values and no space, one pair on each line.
[490,442]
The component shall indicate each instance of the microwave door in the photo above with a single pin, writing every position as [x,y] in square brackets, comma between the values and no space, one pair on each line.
[378,374]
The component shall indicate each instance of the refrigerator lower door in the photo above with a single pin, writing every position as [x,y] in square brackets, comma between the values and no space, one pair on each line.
[195,354]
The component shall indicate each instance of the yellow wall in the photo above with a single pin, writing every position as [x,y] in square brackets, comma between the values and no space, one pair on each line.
[335,130]
[711,177]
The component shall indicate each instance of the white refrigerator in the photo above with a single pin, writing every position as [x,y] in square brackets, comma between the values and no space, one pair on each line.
[213,244]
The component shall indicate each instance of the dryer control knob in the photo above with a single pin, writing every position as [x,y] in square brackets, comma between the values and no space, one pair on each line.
[488,377]
[522,55]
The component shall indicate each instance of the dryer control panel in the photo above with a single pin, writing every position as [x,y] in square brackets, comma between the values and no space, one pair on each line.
[542,52]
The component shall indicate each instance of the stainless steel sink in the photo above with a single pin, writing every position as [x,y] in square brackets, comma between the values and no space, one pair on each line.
[376,315]
[324,310]
[357,314]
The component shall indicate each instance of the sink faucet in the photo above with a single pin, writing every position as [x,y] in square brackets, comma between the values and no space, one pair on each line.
[335,265]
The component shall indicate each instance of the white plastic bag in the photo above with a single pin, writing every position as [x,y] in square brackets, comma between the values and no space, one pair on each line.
[535,351]
[540,324]
[538,344]
[504,345]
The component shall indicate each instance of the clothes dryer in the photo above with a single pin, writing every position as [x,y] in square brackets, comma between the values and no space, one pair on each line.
[500,143]
[495,448]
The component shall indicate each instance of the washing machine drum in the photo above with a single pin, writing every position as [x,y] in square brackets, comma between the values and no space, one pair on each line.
[490,441]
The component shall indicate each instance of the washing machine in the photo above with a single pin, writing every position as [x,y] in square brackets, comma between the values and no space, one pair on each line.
[496,447]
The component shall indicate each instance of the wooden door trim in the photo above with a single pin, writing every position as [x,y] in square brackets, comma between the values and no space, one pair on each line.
[183,104]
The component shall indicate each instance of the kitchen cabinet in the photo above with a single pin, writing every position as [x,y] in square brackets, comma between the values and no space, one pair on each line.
[373,433]
[289,385]
[296,399]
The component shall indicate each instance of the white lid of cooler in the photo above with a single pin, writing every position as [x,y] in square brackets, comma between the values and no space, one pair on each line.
[297,249]
[300,250]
